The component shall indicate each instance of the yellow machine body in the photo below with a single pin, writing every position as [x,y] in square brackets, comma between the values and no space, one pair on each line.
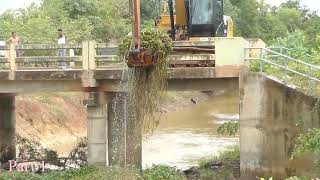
[181,14]
[181,21]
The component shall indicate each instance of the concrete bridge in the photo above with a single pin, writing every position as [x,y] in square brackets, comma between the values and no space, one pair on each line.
[95,70]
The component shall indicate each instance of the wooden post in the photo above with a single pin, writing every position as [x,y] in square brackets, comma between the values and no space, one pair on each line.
[12,57]
[92,55]
[85,55]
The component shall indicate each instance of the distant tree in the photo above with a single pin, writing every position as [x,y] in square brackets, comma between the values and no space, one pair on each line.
[247,22]
[105,20]
[150,9]
[291,4]
[291,18]
[77,8]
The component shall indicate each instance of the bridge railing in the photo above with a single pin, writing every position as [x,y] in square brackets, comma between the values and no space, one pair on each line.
[106,56]
[304,74]
[87,55]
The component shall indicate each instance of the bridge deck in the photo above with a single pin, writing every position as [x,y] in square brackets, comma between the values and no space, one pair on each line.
[53,80]
[95,67]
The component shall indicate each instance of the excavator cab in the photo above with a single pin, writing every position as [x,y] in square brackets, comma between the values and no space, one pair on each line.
[195,18]
[187,20]
[205,18]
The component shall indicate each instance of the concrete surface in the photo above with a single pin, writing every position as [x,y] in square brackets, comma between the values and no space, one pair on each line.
[97,128]
[272,115]
[124,135]
[33,81]
[230,51]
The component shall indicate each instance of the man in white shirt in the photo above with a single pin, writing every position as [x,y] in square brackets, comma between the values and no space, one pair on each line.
[61,52]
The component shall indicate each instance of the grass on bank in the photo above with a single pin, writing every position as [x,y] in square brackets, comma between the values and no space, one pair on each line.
[85,173]
[225,166]
[156,172]
[93,173]
[302,83]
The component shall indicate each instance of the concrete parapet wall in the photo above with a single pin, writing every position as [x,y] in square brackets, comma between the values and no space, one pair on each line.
[272,115]
[230,51]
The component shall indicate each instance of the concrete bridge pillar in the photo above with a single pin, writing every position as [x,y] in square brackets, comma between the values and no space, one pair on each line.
[113,137]
[124,136]
[7,127]
[97,131]
[272,115]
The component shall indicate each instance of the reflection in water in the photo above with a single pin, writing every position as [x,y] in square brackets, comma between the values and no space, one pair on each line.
[184,137]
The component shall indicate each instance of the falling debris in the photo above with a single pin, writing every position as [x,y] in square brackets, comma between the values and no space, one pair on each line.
[146,86]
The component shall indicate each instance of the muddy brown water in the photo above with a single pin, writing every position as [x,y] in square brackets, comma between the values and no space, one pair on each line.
[184,137]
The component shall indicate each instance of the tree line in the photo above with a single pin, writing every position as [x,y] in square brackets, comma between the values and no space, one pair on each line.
[106,20]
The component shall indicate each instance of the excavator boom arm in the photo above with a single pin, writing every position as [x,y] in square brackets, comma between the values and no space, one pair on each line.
[136,21]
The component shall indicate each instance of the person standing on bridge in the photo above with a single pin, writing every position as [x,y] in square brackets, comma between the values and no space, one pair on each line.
[61,52]
[14,39]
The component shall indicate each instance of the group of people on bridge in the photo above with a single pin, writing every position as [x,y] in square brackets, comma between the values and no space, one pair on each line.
[15,39]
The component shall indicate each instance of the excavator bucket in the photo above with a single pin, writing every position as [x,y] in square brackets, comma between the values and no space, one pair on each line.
[141,58]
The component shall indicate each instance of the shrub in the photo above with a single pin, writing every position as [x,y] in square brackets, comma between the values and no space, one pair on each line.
[308,142]
[162,172]
[225,166]
[85,173]
[228,128]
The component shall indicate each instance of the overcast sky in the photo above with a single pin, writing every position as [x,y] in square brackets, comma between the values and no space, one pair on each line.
[13,4]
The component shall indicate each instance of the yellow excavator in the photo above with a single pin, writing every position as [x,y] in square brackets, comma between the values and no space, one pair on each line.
[195,19]
[192,25]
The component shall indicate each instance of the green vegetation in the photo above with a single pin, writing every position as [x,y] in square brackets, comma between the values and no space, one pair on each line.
[147,86]
[253,19]
[289,25]
[309,144]
[161,172]
[105,20]
[101,20]
[298,48]
[95,173]
[228,128]
[86,173]
[224,166]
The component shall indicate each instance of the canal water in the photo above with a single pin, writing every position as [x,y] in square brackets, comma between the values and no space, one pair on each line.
[184,137]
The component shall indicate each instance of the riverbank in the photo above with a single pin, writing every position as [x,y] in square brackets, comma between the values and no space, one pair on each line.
[58,120]
[190,114]
[224,167]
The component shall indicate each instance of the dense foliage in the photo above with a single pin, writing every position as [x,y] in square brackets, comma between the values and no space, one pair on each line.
[257,19]
[105,20]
